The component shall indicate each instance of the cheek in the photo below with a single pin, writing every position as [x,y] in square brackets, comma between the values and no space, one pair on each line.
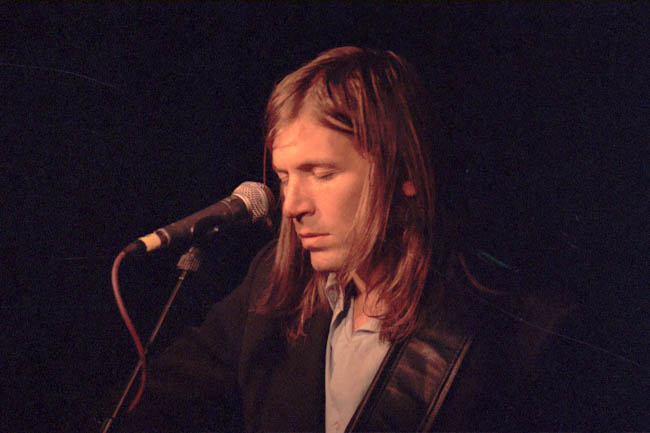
[350,202]
[339,209]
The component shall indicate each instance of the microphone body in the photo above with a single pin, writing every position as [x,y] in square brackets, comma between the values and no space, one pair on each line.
[250,202]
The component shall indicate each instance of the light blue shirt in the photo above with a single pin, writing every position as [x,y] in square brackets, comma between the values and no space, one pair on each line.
[351,359]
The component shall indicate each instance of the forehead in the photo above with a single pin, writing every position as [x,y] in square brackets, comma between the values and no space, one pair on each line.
[305,139]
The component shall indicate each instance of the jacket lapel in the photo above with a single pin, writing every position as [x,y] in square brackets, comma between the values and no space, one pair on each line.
[413,381]
[283,386]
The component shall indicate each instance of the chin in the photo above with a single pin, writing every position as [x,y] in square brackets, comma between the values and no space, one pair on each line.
[325,261]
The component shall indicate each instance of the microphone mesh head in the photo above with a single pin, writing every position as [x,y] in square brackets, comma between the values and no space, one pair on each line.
[258,198]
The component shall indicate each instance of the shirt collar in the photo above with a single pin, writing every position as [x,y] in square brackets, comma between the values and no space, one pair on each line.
[334,292]
[335,298]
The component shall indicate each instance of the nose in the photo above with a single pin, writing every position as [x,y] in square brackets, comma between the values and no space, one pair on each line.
[296,201]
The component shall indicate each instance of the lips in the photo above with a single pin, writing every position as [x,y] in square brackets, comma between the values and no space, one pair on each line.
[312,240]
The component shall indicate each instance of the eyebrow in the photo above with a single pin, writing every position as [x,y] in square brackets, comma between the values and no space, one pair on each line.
[308,165]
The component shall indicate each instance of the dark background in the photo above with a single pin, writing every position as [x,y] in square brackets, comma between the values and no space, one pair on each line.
[117,119]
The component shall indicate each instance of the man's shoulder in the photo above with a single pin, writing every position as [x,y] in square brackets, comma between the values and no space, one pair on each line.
[263,260]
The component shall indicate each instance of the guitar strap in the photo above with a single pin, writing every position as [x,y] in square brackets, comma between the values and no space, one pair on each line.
[415,376]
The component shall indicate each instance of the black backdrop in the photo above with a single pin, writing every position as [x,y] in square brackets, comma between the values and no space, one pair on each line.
[120,118]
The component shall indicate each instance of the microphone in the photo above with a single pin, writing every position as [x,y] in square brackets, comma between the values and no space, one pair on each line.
[249,202]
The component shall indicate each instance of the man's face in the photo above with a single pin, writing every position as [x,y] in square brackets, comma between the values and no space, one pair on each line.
[322,177]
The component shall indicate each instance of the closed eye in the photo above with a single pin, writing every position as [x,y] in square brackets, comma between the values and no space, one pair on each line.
[324,175]
[282,178]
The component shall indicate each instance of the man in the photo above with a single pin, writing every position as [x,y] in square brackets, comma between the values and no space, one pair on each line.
[361,316]
[357,205]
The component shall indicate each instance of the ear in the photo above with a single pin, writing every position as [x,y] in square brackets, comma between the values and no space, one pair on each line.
[408,188]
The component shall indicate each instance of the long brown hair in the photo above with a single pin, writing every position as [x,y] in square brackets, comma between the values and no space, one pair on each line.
[376,97]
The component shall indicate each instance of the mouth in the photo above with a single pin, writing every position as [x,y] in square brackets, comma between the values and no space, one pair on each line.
[312,240]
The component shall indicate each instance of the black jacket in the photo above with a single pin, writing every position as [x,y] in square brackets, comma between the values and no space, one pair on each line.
[236,371]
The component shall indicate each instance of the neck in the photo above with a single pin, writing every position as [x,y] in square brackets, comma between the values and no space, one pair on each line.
[367,278]
[366,302]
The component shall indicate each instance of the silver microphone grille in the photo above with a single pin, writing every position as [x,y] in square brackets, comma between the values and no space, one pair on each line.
[258,198]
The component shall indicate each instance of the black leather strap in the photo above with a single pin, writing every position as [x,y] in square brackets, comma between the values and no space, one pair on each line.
[415,376]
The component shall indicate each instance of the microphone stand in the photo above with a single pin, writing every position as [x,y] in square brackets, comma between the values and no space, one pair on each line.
[189,262]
